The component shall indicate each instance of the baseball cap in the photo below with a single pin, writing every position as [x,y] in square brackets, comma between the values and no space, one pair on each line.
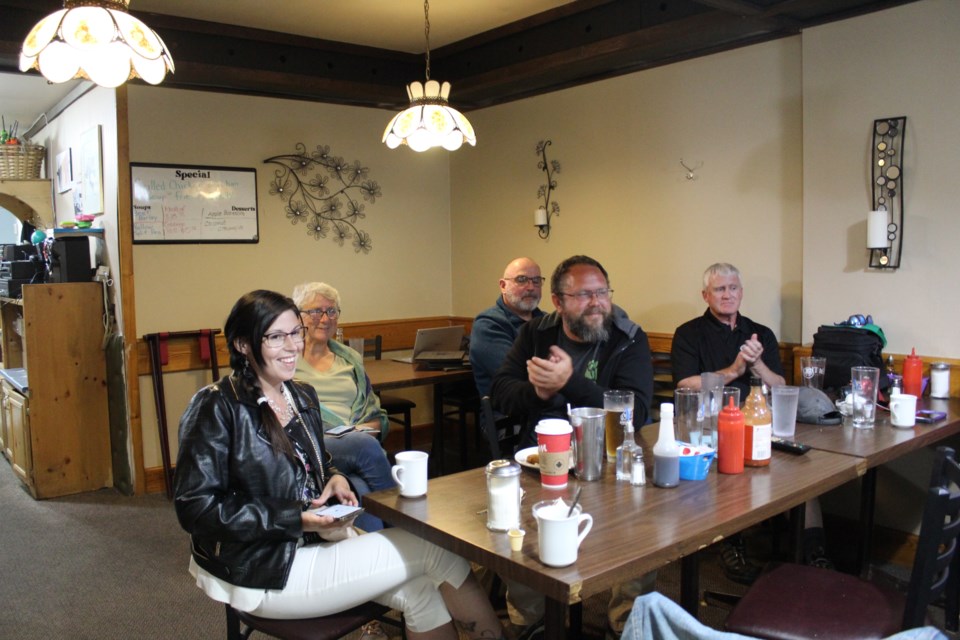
[815,407]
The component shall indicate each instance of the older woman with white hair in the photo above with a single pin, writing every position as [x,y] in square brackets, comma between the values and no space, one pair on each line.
[346,395]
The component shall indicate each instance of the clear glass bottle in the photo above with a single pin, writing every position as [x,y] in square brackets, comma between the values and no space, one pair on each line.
[757,427]
[625,452]
[666,453]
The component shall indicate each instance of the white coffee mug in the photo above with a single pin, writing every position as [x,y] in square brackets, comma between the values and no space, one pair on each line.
[903,410]
[559,536]
[410,472]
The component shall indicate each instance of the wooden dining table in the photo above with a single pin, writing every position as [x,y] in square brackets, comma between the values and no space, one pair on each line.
[386,374]
[635,529]
[876,446]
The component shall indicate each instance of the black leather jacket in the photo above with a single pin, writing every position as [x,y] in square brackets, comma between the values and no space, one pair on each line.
[240,501]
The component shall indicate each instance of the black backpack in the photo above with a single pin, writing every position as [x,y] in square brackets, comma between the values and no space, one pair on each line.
[846,347]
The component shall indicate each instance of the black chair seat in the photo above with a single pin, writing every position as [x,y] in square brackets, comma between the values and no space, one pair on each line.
[797,601]
[794,602]
[330,627]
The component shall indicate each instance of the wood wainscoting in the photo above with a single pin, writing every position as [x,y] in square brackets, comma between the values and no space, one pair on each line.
[184,354]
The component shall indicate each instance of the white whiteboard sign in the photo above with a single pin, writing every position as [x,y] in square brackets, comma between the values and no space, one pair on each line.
[186,203]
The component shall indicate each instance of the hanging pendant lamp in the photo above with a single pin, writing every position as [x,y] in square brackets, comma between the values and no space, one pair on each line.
[429,121]
[97,40]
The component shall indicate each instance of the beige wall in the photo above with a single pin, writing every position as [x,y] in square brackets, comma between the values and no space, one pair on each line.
[190,286]
[899,62]
[624,197]
[97,107]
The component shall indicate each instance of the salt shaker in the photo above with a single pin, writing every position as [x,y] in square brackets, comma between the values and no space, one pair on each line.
[939,380]
[638,474]
[503,495]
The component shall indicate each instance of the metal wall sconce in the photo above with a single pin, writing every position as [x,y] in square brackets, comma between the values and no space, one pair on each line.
[885,222]
[543,213]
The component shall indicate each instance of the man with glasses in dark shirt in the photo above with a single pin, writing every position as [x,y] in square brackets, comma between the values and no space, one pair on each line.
[571,356]
[726,342]
[495,329]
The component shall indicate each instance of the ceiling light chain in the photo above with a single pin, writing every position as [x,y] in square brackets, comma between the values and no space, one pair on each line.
[426,31]
[429,121]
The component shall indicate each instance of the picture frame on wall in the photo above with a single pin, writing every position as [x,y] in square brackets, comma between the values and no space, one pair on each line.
[91,175]
[64,173]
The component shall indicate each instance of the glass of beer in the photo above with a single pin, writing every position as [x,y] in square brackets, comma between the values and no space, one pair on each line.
[619,408]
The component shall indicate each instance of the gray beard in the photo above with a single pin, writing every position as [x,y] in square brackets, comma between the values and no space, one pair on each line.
[585,332]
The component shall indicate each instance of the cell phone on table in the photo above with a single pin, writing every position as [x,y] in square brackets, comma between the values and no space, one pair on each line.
[339,431]
[339,512]
[927,416]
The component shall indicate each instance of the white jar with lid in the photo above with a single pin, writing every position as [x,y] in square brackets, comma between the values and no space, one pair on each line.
[503,495]
[939,380]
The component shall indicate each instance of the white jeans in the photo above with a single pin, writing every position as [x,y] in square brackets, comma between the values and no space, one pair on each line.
[392,567]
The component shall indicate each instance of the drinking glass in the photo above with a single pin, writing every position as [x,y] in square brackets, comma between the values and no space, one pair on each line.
[619,408]
[864,381]
[711,389]
[785,399]
[688,415]
[811,371]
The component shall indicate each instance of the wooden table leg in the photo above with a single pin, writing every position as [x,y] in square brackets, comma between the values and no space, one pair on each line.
[555,620]
[868,493]
[690,583]
[438,441]
[798,516]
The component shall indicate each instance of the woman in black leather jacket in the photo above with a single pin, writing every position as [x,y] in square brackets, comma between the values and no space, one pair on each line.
[251,471]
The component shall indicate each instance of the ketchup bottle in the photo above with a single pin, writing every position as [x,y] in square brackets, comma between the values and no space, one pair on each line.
[730,440]
[912,374]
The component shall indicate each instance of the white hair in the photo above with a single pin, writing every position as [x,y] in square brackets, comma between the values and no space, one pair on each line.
[306,291]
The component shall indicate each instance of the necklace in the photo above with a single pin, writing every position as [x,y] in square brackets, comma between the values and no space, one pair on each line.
[283,413]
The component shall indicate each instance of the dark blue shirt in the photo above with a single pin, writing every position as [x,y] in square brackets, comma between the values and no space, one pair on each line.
[493,333]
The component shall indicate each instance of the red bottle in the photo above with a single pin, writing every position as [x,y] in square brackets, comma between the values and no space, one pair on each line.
[730,440]
[912,374]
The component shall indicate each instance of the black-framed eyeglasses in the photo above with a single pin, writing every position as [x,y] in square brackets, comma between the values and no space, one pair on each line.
[315,314]
[586,296]
[522,280]
[278,339]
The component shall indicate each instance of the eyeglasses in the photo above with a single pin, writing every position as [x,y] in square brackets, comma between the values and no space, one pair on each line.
[278,339]
[522,280]
[586,296]
[316,314]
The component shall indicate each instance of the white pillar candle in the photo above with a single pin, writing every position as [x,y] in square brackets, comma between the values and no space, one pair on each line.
[877,230]
[540,217]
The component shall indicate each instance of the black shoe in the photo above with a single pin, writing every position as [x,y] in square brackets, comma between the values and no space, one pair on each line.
[736,566]
[817,557]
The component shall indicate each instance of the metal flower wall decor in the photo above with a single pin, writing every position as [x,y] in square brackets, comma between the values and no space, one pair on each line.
[323,191]
[548,209]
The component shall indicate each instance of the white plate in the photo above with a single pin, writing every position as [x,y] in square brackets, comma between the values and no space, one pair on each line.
[521,458]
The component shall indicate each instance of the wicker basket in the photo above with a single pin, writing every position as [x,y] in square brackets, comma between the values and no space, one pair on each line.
[21,161]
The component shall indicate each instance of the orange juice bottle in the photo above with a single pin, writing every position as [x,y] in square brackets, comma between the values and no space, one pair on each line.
[758,427]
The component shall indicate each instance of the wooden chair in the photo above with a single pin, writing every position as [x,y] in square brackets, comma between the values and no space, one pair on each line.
[240,624]
[398,409]
[498,435]
[797,601]
[460,400]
